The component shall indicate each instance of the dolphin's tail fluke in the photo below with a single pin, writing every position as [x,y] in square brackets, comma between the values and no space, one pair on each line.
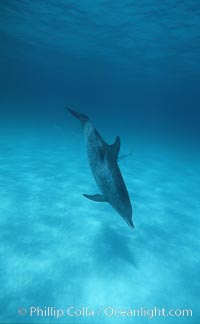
[83,118]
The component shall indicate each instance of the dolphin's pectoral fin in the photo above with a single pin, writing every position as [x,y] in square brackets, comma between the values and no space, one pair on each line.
[96,197]
[123,157]
[115,147]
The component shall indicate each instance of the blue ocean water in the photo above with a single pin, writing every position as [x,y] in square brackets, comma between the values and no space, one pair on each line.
[133,67]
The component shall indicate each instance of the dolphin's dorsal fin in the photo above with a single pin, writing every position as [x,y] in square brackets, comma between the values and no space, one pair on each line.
[115,147]
[96,197]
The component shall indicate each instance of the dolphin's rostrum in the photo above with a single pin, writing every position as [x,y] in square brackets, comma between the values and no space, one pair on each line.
[102,159]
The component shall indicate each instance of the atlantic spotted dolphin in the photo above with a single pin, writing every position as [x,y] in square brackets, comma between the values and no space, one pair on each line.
[103,159]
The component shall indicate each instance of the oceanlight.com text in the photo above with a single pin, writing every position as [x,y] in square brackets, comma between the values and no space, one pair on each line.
[109,311]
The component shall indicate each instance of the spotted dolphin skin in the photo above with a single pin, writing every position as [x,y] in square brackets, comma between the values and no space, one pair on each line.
[102,159]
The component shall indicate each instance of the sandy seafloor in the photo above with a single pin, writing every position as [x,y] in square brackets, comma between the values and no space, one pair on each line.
[59,249]
[133,67]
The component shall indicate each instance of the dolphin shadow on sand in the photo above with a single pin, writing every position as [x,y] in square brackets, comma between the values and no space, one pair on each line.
[110,242]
